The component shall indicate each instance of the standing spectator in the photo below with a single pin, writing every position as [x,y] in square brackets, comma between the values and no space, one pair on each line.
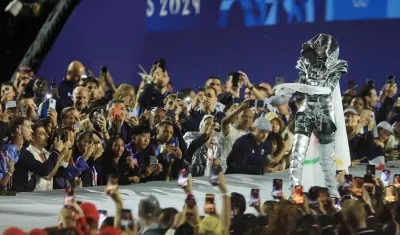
[153,94]
[67,85]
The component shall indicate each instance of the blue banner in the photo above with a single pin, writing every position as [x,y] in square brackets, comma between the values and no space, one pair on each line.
[166,15]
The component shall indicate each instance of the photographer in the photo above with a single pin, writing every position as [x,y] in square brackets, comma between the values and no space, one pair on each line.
[153,94]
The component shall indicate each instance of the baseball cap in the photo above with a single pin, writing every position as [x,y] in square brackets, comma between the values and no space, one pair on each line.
[386,126]
[350,110]
[90,211]
[278,100]
[262,124]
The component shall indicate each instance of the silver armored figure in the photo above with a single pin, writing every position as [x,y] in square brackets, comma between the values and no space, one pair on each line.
[318,66]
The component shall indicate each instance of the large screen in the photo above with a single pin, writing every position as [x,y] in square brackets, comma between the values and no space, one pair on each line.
[166,15]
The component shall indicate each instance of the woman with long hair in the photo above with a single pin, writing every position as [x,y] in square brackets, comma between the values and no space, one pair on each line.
[283,218]
[119,163]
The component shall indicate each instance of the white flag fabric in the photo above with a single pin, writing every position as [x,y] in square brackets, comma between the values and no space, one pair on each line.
[312,172]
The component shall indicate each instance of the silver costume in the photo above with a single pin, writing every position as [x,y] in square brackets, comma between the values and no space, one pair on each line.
[319,66]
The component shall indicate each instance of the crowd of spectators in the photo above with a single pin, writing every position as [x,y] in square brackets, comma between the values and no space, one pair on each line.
[88,131]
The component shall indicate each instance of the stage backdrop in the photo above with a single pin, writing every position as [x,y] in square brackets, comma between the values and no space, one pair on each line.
[213,37]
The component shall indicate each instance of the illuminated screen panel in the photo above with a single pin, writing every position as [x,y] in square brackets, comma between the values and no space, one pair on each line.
[169,15]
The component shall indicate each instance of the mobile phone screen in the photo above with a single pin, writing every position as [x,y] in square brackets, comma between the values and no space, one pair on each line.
[277,188]
[385,177]
[102,216]
[255,197]
[126,219]
[153,160]
[298,197]
[116,111]
[131,112]
[370,170]
[69,197]
[183,178]
[389,193]
[368,179]
[214,176]
[210,204]
[52,104]
[348,178]
[396,180]
[175,142]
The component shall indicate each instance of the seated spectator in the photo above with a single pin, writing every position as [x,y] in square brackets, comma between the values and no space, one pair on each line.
[36,166]
[205,150]
[249,152]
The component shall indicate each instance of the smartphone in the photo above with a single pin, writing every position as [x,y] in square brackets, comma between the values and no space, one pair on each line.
[254,197]
[183,178]
[214,176]
[370,82]
[235,79]
[337,203]
[103,69]
[390,79]
[23,111]
[101,112]
[175,142]
[313,195]
[348,178]
[131,112]
[390,192]
[69,197]
[126,219]
[102,216]
[52,104]
[75,126]
[251,103]
[286,137]
[396,180]
[181,95]
[298,196]
[279,80]
[209,206]
[370,170]
[11,104]
[116,111]
[368,179]
[385,177]
[153,160]
[260,104]
[277,188]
